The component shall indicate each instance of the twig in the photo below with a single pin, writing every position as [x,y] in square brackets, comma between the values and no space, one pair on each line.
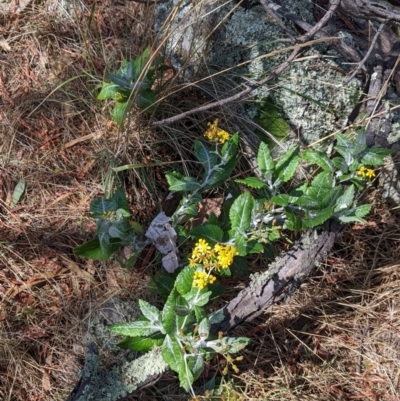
[149,2]
[252,87]
[362,334]
[364,60]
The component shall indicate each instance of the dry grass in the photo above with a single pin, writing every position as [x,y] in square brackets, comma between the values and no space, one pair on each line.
[55,136]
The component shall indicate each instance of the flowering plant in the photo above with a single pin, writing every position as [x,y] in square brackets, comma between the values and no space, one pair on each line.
[249,222]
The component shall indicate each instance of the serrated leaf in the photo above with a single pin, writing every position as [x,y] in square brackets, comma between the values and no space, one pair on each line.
[108,91]
[205,156]
[141,344]
[138,328]
[184,280]
[317,217]
[172,353]
[179,183]
[150,311]
[264,158]
[318,158]
[252,182]
[211,233]
[240,212]
[346,200]
[287,165]
[322,180]
[363,210]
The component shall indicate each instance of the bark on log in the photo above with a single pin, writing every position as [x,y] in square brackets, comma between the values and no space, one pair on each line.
[283,278]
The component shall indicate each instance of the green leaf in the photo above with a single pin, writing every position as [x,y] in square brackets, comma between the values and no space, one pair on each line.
[142,344]
[172,353]
[241,244]
[284,199]
[293,222]
[229,148]
[169,318]
[264,158]
[196,365]
[216,317]
[252,182]
[185,377]
[205,156]
[146,100]
[196,297]
[237,344]
[317,217]
[240,212]
[351,219]
[99,206]
[220,175]
[18,191]
[375,156]
[109,90]
[181,310]
[184,280]
[149,311]
[138,328]
[322,180]
[123,83]
[140,63]
[362,210]
[346,200]
[93,250]
[204,328]
[211,233]
[287,165]
[318,158]
[120,111]
[179,183]
[118,230]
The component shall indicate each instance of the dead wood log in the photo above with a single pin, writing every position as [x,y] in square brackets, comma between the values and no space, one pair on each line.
[282,279]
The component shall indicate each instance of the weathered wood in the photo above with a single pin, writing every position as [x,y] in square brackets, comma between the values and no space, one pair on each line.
[282,279]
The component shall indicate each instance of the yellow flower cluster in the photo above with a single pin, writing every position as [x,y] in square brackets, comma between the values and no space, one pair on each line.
[207,259]
[110,215]
[366,172]
[201,279]
[219,257]
[216,134]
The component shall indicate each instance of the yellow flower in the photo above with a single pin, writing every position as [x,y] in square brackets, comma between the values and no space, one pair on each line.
[366,172]
[216,134]
[370,173]
[201,279]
